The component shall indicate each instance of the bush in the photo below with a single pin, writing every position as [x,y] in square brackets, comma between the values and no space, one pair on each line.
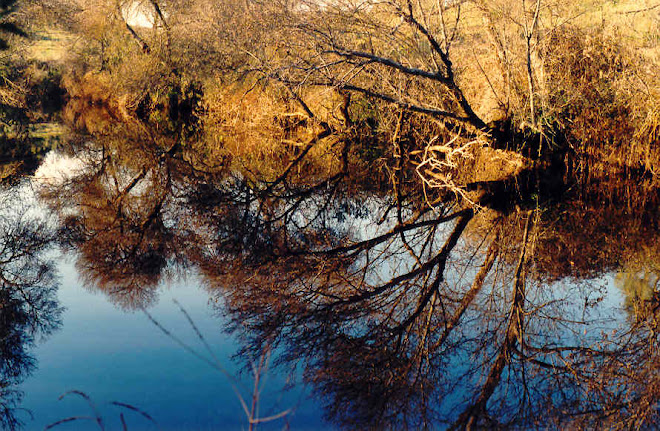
[595,96]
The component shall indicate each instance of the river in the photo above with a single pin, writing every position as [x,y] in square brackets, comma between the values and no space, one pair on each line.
[142,292]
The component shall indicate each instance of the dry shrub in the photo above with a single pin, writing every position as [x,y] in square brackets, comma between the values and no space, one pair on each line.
[592,89]
[596,96]
[8,170]
[244,122]
[262,129]
[494,84]
[647,135]
[649,130]
[92,106]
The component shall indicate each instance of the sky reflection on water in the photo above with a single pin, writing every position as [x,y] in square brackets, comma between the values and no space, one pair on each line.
[114,355]
[395,314]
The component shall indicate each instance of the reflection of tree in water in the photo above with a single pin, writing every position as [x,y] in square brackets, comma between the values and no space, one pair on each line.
[125,215]
[403,316]
[120,227]
[639,281]
[28,307]
[642,295]
[429,347]
[468,330]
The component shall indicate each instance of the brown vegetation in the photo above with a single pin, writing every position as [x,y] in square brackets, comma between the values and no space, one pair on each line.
[541,78]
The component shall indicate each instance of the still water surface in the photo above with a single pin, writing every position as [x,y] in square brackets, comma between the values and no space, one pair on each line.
[114,355]
[371,311]
[111,354]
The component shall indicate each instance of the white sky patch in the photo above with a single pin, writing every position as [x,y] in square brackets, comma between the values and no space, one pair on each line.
[57,168]
[140,14]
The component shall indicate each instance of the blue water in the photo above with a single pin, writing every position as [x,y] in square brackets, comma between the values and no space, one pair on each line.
[115,355]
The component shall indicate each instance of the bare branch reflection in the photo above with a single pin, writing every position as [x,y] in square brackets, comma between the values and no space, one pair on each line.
[29,310]
[487,312]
